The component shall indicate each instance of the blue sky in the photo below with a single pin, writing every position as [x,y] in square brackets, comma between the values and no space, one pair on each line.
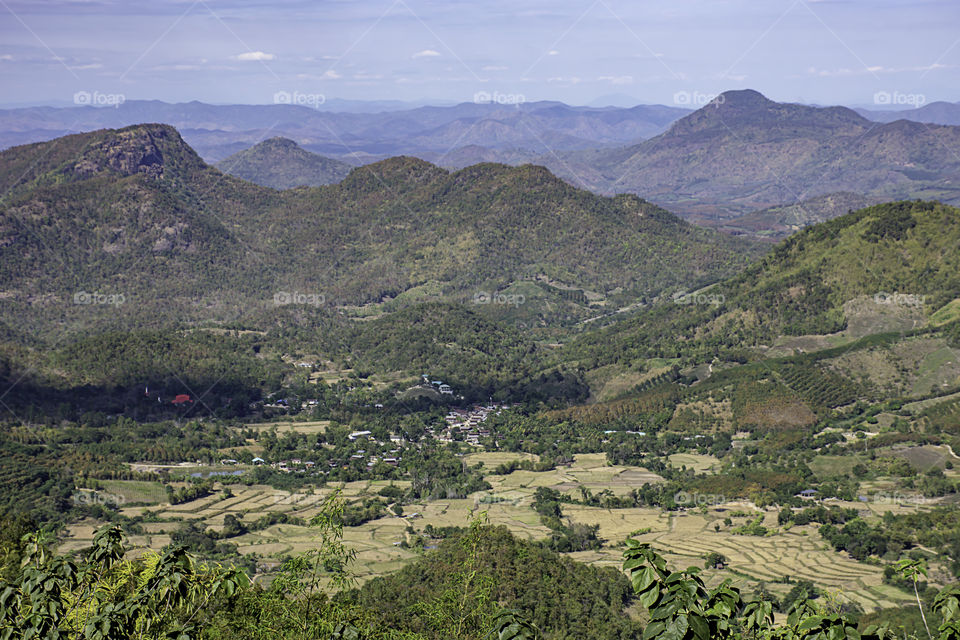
[246,51]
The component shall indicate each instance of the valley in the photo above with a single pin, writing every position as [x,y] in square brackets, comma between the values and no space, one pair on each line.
[299,342]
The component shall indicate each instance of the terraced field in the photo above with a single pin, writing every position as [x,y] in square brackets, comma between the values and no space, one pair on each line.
[685,538]
[589,470]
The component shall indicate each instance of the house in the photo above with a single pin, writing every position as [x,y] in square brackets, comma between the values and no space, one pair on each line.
[808,493]
[258,461]
[182,398]
[359,434]
[445,389]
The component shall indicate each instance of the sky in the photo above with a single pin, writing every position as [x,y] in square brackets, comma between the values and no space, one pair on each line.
[884,53]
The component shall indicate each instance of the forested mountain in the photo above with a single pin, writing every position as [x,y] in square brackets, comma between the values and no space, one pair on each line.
[280,163]
[743,152]
[135,214]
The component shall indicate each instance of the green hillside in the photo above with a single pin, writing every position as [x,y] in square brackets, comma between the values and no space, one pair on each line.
[901,257]
[174,240]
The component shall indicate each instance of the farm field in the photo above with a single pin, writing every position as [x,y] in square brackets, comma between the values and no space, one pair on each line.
[685,537]
[308,428]
[135,491]
[697,462]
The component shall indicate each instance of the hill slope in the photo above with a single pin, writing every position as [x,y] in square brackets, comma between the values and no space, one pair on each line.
[280,163]
[571,599]
[897,258]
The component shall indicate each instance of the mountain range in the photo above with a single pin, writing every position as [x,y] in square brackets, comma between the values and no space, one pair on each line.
[217,131]
[737,155]
[136,214]
[122,251]
[933,113]
[744,152]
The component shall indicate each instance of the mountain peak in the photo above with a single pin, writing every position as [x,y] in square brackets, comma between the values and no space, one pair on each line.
[279,142]
[745,112]
[742,98]
[281,163]
[147,149]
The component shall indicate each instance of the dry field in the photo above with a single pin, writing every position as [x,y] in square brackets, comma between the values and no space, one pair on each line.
[684,537]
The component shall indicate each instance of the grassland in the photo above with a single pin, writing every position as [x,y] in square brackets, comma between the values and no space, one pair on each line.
[697,462]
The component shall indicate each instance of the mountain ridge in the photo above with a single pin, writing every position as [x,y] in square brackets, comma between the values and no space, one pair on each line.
[743,152]
[182,239]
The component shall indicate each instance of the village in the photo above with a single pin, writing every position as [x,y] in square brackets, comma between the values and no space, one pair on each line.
[460,425]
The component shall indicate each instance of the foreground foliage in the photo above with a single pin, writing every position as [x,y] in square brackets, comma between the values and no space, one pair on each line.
[682,608]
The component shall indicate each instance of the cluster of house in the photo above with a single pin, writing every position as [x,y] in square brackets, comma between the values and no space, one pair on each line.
[296,465]
[437,385]
[468,423]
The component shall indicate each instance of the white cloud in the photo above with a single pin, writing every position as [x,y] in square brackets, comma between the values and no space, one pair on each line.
[564,79]
[255,56]
[6,57]
[493,67]
[330,75]
[616,79]
[553,52]
[426,53]
[178,67]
